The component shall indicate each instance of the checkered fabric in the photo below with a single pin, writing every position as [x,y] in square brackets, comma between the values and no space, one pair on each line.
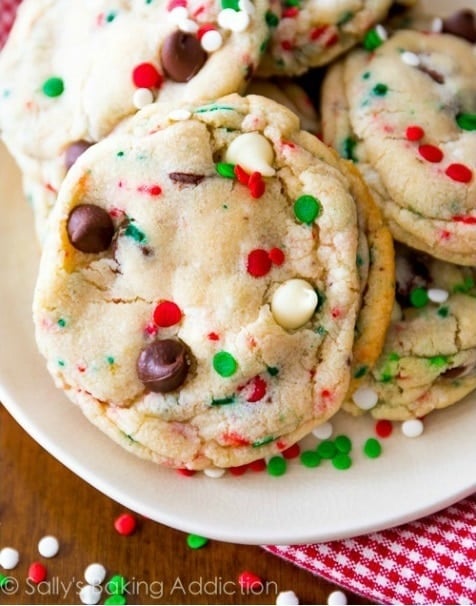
[429,561]
[8,9]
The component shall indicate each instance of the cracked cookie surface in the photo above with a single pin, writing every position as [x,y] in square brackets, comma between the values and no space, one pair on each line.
[198,289]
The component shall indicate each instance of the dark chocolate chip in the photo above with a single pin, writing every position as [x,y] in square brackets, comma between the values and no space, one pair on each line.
[434,75]
[163,365]
[187,178]
[182,56]
[461,24]
[74,151]
[456,372]
[90,228]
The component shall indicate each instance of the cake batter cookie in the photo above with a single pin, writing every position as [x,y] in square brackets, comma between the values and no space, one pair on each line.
[71,71]
[311,33]
[198,291]
[429,358]
[412,99]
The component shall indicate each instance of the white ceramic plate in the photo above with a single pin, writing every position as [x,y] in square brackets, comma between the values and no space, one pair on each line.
[411,478]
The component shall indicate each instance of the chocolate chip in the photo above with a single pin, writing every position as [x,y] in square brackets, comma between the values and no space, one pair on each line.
[182,56]
[74,151]
[163,365]
[90,228]
[434,75]
[187,178]
[457,372]
[461,24]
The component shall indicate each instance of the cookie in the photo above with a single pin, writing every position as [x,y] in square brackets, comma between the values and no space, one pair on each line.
[290,94]
[71,72]
[198,290]
[372,115]
[311,33]
[429,358]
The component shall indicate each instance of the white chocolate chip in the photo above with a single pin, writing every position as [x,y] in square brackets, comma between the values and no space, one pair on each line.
[95,574]
[437,25]
[287,598]
[294,303]
[337,598]
[48,546]
[236,21]
[410,58]
[324,431]
[365,398]
[9,558]
[253,152]
[412,428]
[214,472]
[90,594]
[438,295]
[381,32]
[188,26]
[142,97]
[178,14]
[211,41]
[177,115]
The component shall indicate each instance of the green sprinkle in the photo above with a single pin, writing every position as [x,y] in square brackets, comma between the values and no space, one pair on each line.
[271,19]
[346,17]
[443,311]
[213,108]
[264,45]
[348,149]
[360,372]
[372,448]
[465,286]
[307,208]
[53,87]
[419,297]
[310,458]
[110,360]
[135,233]
[277,466]
[272,370]
[223,401]
[386,377]
[61,363]
[438,361]
[224,364]
[115,599]
[326,449]
[120,154]
[380,90]
[372,40]
[111,16]
[234,4]
[4,580]
[342,461]
[366,75]
[224,169]
[61,322]
[393,356]
[262,441]
[148,1]
[292,3]
[321,330]
[343,444]
[195,541]
[116,584]
[466,121]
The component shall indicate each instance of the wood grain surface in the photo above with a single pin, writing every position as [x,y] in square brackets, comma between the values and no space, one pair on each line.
[38,497]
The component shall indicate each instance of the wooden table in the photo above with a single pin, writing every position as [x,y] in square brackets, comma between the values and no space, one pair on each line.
[38,496]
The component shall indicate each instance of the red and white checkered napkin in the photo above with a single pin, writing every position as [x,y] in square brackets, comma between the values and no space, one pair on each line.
[430,561]
[8,9]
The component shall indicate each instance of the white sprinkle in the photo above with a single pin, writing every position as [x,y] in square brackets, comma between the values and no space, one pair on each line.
[90,594]
[337,598]
[324,431]
[188,26]
[437,295]
[437,25]
[211,41]
[179,114]
[214,472]
[142,97]
[48,546]
[9,558]
[247,6]
[178,14]
[287,598]
[365,398]
[412,428]
[410,58]
[236,21]
[381,32]
[95,574]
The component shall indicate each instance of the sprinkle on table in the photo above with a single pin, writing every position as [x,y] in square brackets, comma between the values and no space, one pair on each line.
[9,558]
[372,448]
[37,572]
[195,541]
[125,524]
[48,546]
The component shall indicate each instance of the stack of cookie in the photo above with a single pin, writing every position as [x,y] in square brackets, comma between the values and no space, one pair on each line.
[215,281]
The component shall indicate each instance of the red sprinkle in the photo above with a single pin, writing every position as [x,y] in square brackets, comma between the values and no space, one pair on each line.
[174,3]
[167,313]
[318,31]
[257,391]
[242,176]
[249,580]
[233,438]
[125,524]
[383,428]
[444,234]
[332,40]
[258,465]
[277,256]
[430,153]
[239,470]
[145,75]
[468,219]
[259,263]
[459,172]
[414,133]
[290,12]
[203,29]
[37,572]
[256,185]
[292,452]
[151,330]
[287,45]
[186,472]
[213,336]
[152,190]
